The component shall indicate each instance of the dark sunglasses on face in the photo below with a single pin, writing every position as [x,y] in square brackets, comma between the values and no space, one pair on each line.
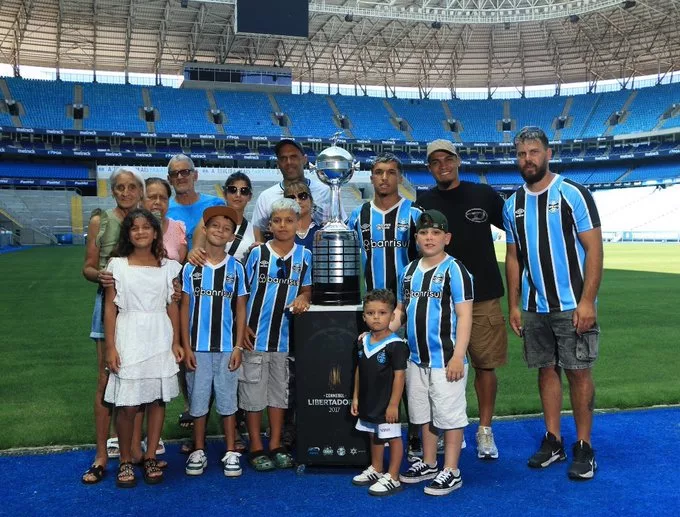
[182,173]
[301,196]
[282,273]
[233,189]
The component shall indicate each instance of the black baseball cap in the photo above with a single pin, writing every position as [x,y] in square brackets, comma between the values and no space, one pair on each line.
[290,141]
[432,219]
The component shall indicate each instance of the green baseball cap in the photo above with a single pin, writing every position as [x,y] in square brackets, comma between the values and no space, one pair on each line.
[432,219]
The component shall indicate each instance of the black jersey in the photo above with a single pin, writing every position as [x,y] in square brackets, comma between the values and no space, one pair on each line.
[377,363]
[471,209]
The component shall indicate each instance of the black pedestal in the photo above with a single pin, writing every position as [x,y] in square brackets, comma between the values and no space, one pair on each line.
[325,338]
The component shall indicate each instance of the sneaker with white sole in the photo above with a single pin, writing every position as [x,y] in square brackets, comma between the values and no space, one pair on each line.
[417,472]
[385,486]
[232,464]
[444,483]
[551,450]
[160,449]
[367,477]
[584,465]
[196,463]
[441,448]
[486,445]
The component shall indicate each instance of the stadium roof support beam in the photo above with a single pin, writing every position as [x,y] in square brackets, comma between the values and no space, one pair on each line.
[21,20]
[128,39]
[60,16]
[160,42]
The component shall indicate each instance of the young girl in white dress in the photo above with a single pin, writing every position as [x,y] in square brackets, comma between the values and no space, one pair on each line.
[142,339]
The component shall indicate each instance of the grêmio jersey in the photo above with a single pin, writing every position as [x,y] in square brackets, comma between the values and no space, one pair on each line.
[377,363]
[429,296]
[387,241]
[274,283]
[545,226]
[213,291]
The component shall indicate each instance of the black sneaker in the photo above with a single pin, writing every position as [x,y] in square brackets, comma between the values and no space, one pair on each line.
[417,472]
[445,483]
[584,464]
[551,450]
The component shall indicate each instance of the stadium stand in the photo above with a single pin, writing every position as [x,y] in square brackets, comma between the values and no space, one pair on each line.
[181,110]
[32,94]
[49,171]
[113,107]
[540,112]
[425,117]
[310,115]
[578,114]
[479,119]
[247,113]
[606,104]
[368,116]
[654,171]
[646,109]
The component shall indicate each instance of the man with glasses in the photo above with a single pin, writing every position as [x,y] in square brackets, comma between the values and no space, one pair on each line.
[553,265]
[471,209]
[187,205]
[291,160]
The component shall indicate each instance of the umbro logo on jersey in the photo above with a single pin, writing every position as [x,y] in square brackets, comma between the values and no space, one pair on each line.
[365,227]
[264,263]
[407,278]
[553,207]
[519,212]
[438,279]
[197,276]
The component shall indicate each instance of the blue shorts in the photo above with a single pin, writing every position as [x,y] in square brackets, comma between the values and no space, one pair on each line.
[97,328]
[212,372]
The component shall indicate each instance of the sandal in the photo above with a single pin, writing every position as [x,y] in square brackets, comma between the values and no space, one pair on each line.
[185,421]
[239,444]
[96,471]
[112,450]
[161,464]
[125,470]
[260,461]
[281,458]
[186,448]
[150,466]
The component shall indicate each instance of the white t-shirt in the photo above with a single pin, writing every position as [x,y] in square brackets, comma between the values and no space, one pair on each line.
[322,201]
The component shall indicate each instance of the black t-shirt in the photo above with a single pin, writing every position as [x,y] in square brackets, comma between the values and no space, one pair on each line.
[377,363]
[471,208]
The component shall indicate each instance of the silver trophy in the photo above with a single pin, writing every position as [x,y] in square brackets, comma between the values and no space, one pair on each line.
[336,265]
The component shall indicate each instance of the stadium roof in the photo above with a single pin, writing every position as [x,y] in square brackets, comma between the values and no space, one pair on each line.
[424,43]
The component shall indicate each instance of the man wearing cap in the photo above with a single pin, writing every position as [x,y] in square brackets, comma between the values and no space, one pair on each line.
[187,205]
[291,160]
[471,209]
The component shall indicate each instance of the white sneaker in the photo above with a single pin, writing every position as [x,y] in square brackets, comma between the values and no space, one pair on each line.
[440,445]
[159,450]
[232,464]
[385,486]
[367,477]
[196,463]
[486,445]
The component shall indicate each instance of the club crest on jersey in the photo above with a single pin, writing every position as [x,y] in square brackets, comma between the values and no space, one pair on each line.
[553,207]
[402,225]
[297,268]
[381,357]
[197,275]
[438,279]
[229,279]
[361,353]
[519,212]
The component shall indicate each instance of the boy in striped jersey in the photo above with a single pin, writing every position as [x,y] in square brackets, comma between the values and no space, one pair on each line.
[554,261]
[213,317]
[280,279]
[435,298]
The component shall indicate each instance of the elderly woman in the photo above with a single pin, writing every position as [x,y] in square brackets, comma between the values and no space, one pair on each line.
[307,228]
[127,188]
[156,201]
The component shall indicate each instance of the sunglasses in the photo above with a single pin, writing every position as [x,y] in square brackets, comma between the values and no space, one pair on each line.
[233,189]
[182,173]
[282,273]
[301,196]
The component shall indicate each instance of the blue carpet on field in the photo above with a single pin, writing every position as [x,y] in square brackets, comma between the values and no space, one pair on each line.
[639,474]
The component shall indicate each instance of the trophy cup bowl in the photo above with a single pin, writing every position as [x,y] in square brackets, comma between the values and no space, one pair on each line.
[336,265]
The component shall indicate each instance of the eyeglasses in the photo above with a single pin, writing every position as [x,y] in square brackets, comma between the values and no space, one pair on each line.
[233,189]
[282,273]
[301,196]
[182,173]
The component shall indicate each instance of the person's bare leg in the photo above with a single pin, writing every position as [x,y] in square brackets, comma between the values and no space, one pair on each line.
[102,410]
[276,417]
[582,395]
[138,433]
[154,427]
[254,424]
[377,454]
[229,426]
[396,455]
[453,440]
[430,437]
[486,385]
[550,390]
[125,421]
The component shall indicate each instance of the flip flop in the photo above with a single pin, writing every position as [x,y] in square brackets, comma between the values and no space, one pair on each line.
[260,461]
[185,421]
[95,470]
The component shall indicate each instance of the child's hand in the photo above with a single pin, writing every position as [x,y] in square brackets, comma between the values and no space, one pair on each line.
[235,359]
[178,352]
[105,278]
[112,359]
[361,337]
[197,257]
[249,339]
[455,370]
[177,291]
[355,407]
[392,414]
[190,360]
[300,304]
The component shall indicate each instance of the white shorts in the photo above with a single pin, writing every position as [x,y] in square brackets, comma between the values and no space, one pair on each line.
[431,398]
[382,431]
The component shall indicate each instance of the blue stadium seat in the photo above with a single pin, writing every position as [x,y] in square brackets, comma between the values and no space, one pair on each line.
[479,119]
[113,107]
[426,118]
[43,171]
[310,115]
[248,113]
[45,102]
[182,110]
[370,118]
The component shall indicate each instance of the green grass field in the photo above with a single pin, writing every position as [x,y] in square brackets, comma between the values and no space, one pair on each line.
[48,363]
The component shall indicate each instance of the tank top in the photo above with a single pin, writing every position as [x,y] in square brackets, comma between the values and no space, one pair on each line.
[107,238]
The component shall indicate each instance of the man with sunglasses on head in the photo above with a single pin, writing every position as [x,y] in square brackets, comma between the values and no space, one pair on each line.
[187,205]
[291,160]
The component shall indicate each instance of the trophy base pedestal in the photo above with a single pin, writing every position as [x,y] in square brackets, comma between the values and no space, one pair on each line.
[346,293]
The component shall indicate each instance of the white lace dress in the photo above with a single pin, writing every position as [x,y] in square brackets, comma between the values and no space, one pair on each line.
[143,338]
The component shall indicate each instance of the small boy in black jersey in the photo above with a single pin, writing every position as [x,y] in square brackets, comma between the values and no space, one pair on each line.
[378,386]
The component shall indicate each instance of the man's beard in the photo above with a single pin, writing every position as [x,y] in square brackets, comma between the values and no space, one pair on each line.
[541,171]
[444,185]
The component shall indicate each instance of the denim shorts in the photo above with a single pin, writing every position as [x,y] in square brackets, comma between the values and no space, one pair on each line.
[551,338]
[212,371]
[97,327]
